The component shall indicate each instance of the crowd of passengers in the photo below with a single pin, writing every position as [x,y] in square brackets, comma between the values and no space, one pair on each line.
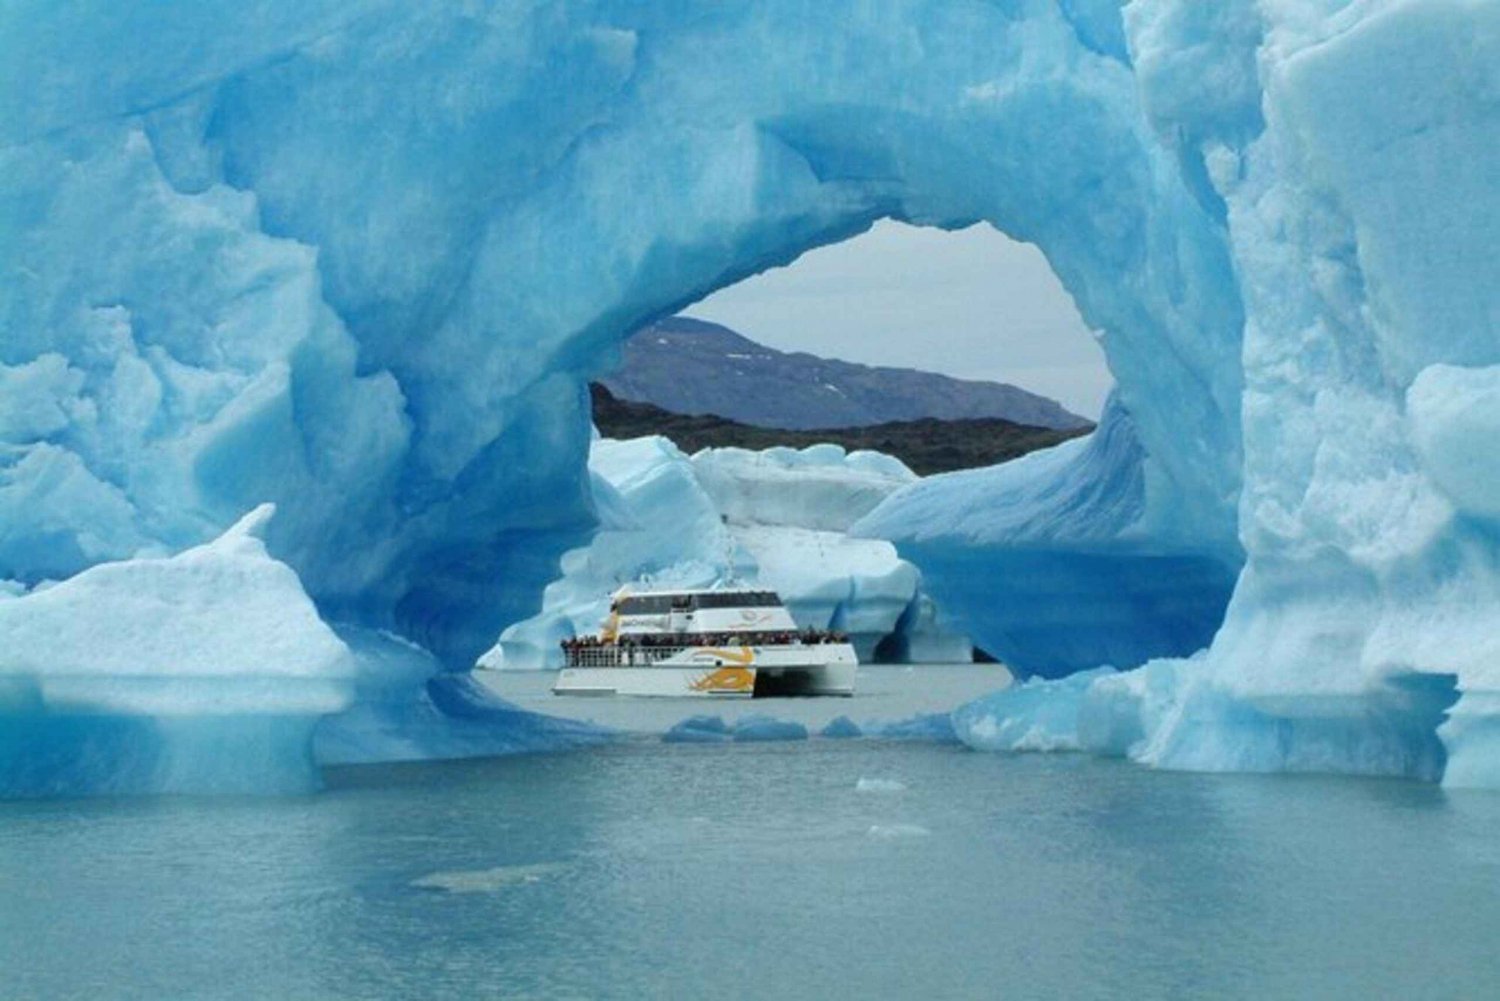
[655,640]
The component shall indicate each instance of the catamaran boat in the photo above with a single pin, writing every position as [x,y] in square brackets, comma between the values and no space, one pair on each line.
[720,643]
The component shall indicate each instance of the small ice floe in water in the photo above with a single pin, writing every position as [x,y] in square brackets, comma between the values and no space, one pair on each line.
[888,832]
[698,730]
[756,727]
[486,880]
[878,785]
[842,728]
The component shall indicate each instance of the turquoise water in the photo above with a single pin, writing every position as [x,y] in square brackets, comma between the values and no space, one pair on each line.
[648,870]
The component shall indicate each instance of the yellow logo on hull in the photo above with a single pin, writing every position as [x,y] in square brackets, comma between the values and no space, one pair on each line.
[726,679]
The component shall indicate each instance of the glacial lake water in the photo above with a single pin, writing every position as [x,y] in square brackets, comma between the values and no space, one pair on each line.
[814,869]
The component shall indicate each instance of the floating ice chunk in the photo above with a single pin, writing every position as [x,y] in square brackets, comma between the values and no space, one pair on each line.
[756,727]
[878,785]
[932,727]
[708,724]
[841,728]
[698,730]
[893,832]
[487,880]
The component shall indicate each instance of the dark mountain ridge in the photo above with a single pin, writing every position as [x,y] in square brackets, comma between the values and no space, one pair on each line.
[927,446]
[689,366]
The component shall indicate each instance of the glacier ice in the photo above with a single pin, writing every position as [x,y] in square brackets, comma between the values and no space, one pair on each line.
[359,260]
[698,730]
[1092,585]
[841,728]
[211,672]
[777,518]
[204,671]
[760,728]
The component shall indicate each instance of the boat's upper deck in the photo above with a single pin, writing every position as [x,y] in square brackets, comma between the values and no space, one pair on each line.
[675,612]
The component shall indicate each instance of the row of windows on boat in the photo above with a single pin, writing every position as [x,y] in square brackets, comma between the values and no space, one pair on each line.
[661,604]
[808,636]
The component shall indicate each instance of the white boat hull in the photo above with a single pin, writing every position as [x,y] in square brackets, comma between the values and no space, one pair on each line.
[730,672]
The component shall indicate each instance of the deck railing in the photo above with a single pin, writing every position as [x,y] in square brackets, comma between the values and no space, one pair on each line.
[617,656]
[591,652]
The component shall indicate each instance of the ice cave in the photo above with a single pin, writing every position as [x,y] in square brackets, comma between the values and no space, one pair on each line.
[359,261]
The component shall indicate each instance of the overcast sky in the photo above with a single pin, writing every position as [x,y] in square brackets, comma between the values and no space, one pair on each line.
[973,304]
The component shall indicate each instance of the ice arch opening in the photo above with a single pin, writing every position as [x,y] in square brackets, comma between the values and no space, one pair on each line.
[973,304]
[1094,595]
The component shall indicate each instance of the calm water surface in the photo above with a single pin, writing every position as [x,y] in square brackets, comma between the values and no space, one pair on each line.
[813,870]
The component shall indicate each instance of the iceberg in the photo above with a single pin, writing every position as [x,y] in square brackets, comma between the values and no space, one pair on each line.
[758,728]
[211,672]
[777,518]
[841,728]
[202,672]
[360,259]
[698,730]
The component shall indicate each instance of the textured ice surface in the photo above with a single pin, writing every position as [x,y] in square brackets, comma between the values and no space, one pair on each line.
[211,672]
[358,260]
[936,728]
[759,727]
[775,518]
[202,672]
[1092,585]
[1177,713]
[698,730]
[1037,715]
[841,728]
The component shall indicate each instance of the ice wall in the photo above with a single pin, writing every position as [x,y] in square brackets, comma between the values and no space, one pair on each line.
[1350,150]
[358,258]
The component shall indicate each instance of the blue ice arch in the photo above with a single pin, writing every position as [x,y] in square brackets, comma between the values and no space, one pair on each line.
[358,260]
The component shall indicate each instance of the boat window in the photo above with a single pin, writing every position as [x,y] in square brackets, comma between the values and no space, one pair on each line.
[737,599]
[646,604]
